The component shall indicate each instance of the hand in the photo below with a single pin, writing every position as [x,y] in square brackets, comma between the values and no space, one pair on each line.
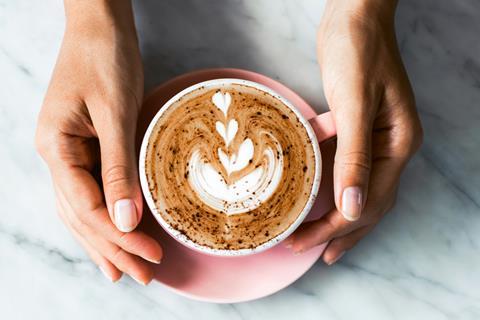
[378,129]
[87,124]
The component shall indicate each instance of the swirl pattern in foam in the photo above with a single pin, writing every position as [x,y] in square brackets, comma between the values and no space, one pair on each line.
[251,190]
[230,167]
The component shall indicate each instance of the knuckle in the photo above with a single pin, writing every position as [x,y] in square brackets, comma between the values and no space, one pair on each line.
[336,223]
[123,111]
[330,225]
[87,218]
[51,148]
[117,174]
[48,141]
[80,225]
[410,139]
[358,159]
[40,144]
[42,140]
[124,239]
[117,256]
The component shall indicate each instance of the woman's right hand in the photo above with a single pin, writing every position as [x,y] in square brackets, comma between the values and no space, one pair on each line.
[87,124]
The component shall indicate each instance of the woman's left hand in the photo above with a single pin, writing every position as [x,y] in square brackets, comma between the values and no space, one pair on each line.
[378,128]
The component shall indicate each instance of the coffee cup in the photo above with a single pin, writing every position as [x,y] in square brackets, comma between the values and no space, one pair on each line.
[220,196]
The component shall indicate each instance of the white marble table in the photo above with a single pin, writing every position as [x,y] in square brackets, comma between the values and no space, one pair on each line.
[421,262]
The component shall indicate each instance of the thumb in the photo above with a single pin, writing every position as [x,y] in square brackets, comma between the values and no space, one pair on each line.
[123,197]
[352,158]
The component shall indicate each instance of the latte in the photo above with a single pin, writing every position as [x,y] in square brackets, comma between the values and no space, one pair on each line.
[231,167]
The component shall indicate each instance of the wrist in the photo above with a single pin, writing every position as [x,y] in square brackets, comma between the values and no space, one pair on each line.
[379,11]
[100,17]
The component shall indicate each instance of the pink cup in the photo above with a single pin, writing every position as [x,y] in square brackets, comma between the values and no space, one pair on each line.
[319,129]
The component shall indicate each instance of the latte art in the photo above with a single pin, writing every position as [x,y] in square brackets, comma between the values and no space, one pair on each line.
[230,167]
[249,191]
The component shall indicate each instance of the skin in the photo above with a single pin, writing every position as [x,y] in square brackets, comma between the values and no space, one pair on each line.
[86,128]
[378,129]
[87,122]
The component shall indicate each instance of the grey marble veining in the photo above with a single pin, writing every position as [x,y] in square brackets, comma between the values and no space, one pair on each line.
[421,262]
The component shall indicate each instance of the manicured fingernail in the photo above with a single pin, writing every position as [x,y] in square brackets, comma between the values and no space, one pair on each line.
[106,274]
[138,281]
[125,214]
[336,259]
[352,203]
[153,261]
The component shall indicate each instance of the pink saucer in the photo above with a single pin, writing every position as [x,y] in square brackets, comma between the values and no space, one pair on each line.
[232,279]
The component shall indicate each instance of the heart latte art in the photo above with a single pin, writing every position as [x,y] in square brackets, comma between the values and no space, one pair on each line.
[249,191]
[230,167]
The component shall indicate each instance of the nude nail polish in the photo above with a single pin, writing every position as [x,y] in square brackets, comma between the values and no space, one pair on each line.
[106,274]
[153,261]
[336,259]
[138,281]
[125,215]
[352,203]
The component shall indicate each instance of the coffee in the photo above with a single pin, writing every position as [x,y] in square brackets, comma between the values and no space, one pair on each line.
[230,166]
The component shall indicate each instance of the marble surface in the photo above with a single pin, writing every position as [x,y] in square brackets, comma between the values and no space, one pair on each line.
[421,262]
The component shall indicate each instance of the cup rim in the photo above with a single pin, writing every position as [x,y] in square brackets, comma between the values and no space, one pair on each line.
[181,237]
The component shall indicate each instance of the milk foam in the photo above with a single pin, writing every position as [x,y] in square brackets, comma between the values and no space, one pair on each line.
[249,191]
[229,167]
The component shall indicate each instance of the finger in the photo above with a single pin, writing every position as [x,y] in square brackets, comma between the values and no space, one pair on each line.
[338,246]
[382,191]
[353,113]
[108,269]
[137,268]
[116,127]
[88,212]
[311,234]
[383,185]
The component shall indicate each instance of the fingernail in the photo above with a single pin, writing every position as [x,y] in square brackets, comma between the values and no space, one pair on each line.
[125,214]
[106,274]
[153,261]
[352,203]
[336,259]
[138,281]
